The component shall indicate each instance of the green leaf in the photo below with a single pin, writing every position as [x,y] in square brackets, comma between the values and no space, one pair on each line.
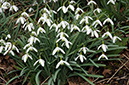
[37,78]
[56,73]
[12,79]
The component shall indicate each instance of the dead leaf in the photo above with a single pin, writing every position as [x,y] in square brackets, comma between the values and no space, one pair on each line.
[6,57]
[106,71]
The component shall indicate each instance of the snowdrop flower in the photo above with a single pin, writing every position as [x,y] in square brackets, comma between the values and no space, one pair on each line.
[25,57]
[45,19]
[8,36]
[21,19]
[63,8]
[108,34]
[1,1]
[46,10]
[104,47]
[27,45]
[61,63]
[84,49]
[62,34]
[81,57]
[33,33]
[71,2]
[1,10]
[2,41]
[1,48]
[78,9]
[103,55]
[114,38]
[33,39]
[63,24]
[30,10]
[98,10]
[57,49]
[41,61]
[25,14]
[71,7]
[96,23]
[111,1]
[92,2]
[8,46]
[31,48]
[87,29]
[40,29]
[108,20]
[74,27]
[14,47]
[55,0]
[62,38]
[94,33]
[35,3]
[13,7]
[86,19]
[77,16]
[54,25]
[5,5]
[67,43]
[30,26]
[9,51]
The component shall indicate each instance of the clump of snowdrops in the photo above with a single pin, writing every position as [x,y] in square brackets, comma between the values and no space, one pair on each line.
[58,40]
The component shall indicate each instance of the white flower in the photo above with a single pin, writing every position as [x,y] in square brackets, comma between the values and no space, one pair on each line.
[61,34]
[114,38]
[30,26]
[103,55]
[111,1]
[83,49]
[41,61]
[81,57]
[108,34]
[35,3]
[87,29]
[30,10]
[5,5]
[71,7]
[31,48]
[71,2]
[86,19]
[55,0]
[45,19]
[54,25]
[66,44]
[108,20]
[25,14]
[98,10]
[78,9]
[74,27]
[2,41]
[25,57]
[63,8]
[1,10]
[77,16]
[13,7]
[57,49]
[2,1]
[8,46]
[96,23]
[21,19]
[63,24]
[104,47]
[61,63]
[62,38]
[33,33]
[33,39]
[8,36]
[14,47]
[27,45]
[92,2]
[10,51]
[1,48]
[94,33]
[40,29]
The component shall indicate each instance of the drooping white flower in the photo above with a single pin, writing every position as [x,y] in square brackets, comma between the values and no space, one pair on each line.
[57,49]
[14,7]
[103,55]
[31,48]
[62,62]
[77,16]
[41,61]
[30,26]
[1,1]
[1,10]
[104,47]
[8,37]
[62,34]
[27,45]
[92,2]
[25,14]
[30,9]
[74,27]
[8,46]
[62,38]
[21,19]
[9,51]
[63,24]
[114,38]
[33,39]
[45,19]
[72,1]
[108,20]
[40,29]
[71,7]
[1,48]
[55,0]
[85,19]
[33,33]
[108,34]
[2,41]
[81,57]
[5,5]
[78,9]
[14,47]
[67,43]
[94,33]
[63,8]
[35,3]
[25,57]
[96,22]
[84,49]
[98,10]
[111,1]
